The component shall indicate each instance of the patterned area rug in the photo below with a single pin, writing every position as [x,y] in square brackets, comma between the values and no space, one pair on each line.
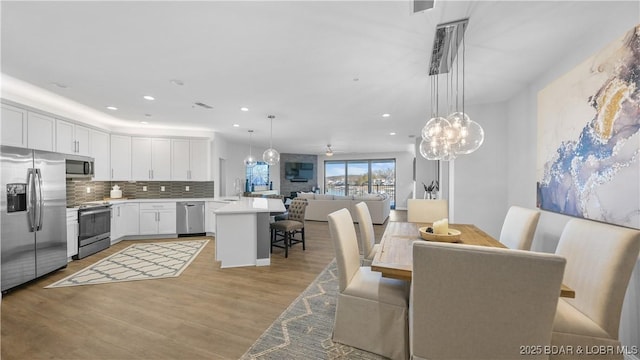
[138,262]
[303,330]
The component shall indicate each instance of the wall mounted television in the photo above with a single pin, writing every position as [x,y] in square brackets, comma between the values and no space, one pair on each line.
[298,171]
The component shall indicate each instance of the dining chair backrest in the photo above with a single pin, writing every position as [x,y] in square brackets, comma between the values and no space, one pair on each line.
[600,259]
[297,209]
[519,227]
[426,211]
[474,302]
[345,243]
[365,224]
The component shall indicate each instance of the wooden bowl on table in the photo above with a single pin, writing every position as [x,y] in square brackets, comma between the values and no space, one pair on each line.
[452,236]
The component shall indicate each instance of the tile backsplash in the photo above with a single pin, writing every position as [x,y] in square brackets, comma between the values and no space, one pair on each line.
[79,192]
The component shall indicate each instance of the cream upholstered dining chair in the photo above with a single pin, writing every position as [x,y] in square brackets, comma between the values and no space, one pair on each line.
[368,247]
[426,211]
[519,227]
[600,259]
[481,303]
[371,311]
[285,230]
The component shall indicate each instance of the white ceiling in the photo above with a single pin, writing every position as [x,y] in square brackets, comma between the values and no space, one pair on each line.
[296,60]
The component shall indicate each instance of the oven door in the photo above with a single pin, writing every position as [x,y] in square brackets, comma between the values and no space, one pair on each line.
[93,224]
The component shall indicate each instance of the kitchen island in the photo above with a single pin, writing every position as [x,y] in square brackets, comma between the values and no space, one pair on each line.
[242,231]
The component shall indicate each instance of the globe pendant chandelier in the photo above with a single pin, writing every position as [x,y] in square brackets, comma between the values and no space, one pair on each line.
[446,137]
[250,161]
[271,156]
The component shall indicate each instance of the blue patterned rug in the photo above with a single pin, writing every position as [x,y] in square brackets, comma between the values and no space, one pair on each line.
[304,329]
[138,262]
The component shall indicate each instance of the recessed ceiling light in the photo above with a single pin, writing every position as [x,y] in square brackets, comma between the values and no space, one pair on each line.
[112,108]
[386,115]
[177,82]
[147,115]
[244,109]
[149,97]
[392,133]
[144,122]
[236,125]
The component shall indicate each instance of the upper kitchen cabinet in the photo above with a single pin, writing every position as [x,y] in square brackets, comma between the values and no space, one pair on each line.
[27,129]
[41,131]
[72,138]
[120,157]
[189,160]
[99,150]
[14,126]
[150,159]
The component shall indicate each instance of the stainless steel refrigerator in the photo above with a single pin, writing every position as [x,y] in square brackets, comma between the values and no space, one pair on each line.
[33,207]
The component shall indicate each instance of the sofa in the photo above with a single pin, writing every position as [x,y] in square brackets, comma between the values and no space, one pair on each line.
[321,205]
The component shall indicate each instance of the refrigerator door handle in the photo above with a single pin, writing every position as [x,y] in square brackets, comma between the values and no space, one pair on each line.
[31,201]
[39,200]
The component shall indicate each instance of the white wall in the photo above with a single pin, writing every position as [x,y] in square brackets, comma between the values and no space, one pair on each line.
[480,178]
[234,154]
[404,171]
[522,142]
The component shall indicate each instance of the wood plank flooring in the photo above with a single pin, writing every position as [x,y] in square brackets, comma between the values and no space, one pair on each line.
[205,313]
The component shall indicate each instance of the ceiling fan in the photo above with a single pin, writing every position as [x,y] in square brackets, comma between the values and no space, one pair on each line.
[329,151]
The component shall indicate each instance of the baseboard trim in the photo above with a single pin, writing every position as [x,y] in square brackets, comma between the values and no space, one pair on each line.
[263,262]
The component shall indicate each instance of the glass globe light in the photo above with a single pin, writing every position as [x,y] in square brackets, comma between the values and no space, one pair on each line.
[432,149]
[459,118]
[471,137]
[435,127]
[250,161]
[271,156]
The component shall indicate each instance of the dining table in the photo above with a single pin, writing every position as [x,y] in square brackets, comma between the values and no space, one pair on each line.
[394,258]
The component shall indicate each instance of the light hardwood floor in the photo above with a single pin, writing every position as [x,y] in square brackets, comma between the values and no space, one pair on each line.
[205,313]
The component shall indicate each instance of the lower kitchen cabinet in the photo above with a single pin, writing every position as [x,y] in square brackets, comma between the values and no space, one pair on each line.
[124,220]
[72,233]
[210,215]
[157,218]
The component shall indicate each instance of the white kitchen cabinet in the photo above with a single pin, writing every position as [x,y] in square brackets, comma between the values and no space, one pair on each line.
[150,159]
[13,130]
[189,159]
[120,157]
[41,131]
[72,138]
[124,220]
[210,216]
[27,129]
[100,151]
[157,218]
[199,160]
[72,233]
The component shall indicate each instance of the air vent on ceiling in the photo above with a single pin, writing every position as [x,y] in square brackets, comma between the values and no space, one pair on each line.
[445,45]
[201,104]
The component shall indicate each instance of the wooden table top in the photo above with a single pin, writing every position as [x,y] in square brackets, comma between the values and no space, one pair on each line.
[395,257]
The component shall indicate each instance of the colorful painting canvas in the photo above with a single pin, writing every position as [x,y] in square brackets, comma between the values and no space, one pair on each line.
[589,137]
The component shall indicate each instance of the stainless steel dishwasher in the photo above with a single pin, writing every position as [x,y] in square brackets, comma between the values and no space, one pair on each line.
[190,218]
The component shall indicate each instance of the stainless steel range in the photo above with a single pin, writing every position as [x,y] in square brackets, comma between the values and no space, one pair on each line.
[94,229]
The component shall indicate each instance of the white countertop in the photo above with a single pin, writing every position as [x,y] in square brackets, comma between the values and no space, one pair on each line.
[235,204]
[225,200]
[252,205]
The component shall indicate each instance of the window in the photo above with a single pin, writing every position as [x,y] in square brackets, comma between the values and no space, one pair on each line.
[358,177]
[258,177]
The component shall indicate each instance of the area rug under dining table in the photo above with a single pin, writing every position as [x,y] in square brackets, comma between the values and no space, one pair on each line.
[303,330]
[138,262]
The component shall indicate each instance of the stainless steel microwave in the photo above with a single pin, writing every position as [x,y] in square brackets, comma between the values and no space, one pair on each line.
[79,167]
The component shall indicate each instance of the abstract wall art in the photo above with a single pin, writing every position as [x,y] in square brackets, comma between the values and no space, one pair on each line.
[588,161]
